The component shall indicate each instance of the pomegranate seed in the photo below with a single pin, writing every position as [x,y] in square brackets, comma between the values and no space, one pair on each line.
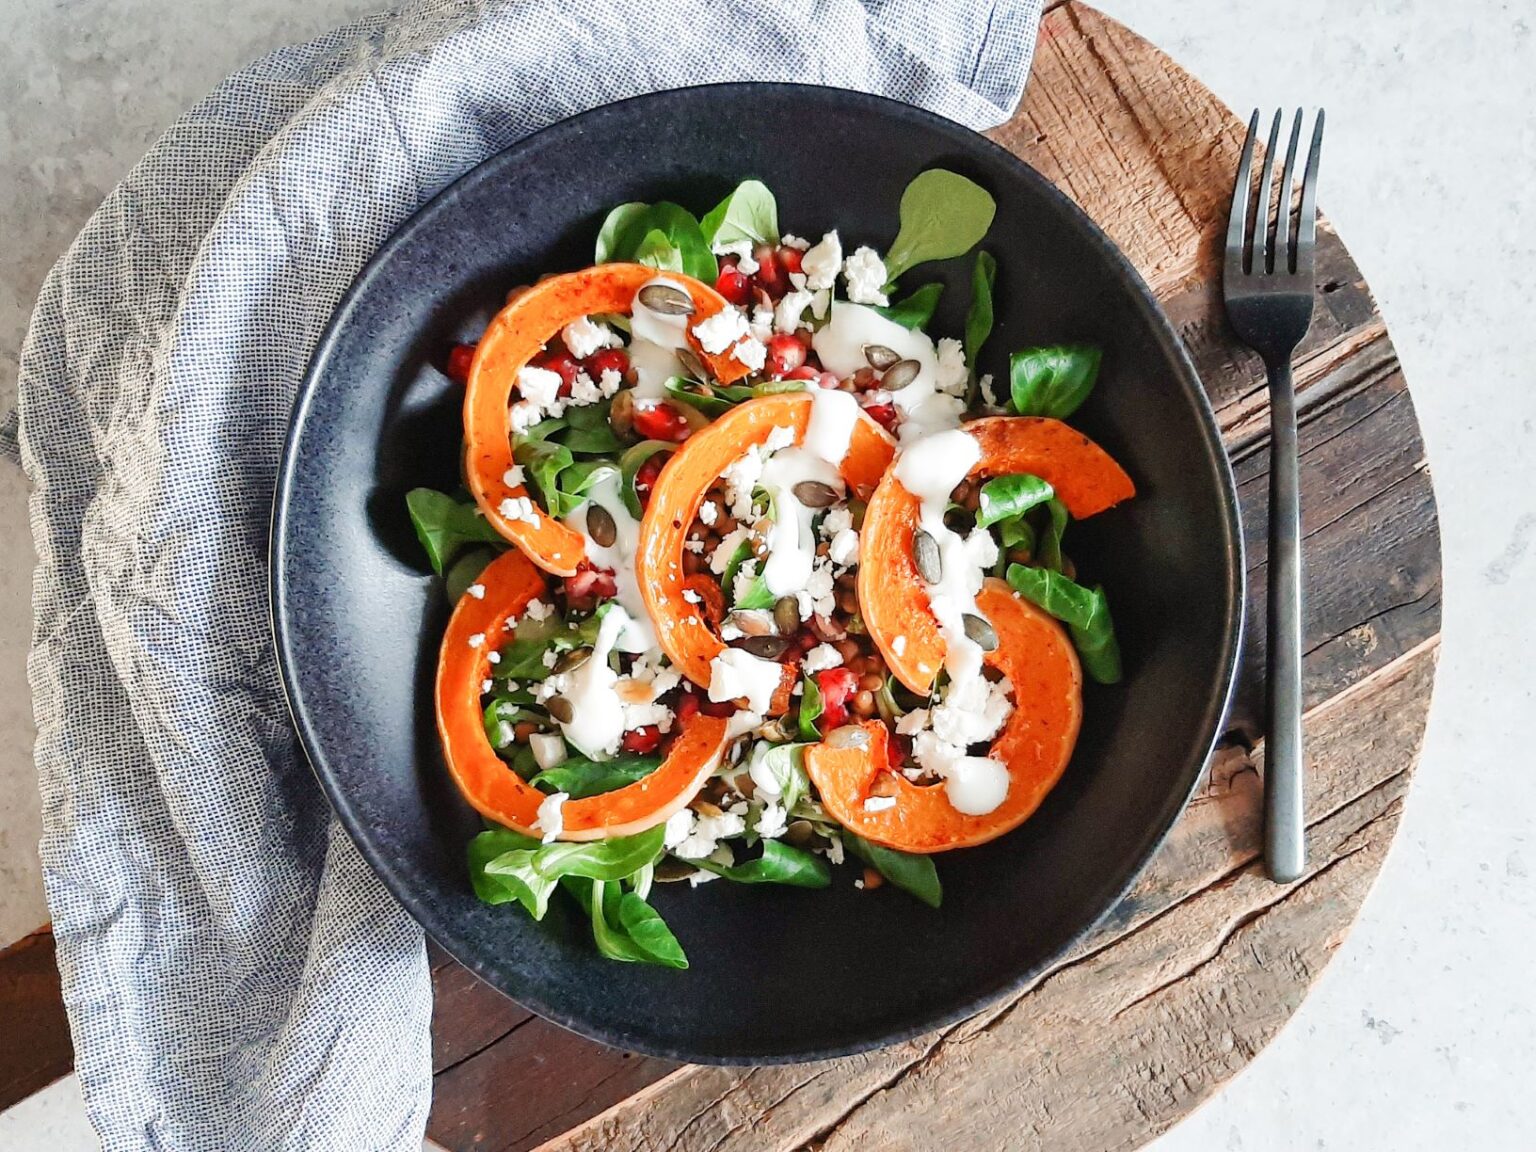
[806,372]
[642,740]
[565,364]
[460,357]
[790,258]
[785,354]
[896,751]
[687,707]
[720,709]
[606,360]
[662,422]
[645,477]
[837,685]
[589,583]
[882,414]
[770,275]
[735,285]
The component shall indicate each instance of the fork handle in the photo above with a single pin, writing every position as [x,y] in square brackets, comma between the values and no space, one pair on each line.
[1285,845]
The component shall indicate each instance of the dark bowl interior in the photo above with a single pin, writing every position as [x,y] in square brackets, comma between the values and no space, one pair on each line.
[777,974]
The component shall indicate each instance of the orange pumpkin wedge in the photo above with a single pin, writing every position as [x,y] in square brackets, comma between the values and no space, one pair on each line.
[893,600]
[681,629]
[518,334]
[1037,656]
[489,784]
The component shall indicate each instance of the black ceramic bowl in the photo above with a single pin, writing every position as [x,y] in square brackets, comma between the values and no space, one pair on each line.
[776,974]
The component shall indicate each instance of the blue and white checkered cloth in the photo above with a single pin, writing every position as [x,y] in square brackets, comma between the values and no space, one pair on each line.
[236,976]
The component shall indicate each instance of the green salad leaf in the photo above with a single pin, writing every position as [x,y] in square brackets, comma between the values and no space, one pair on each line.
[780,863]
[466,570]
[1048,542]
[625,927]
[1006,497]
[503,710]
[1017,533]
[707,400]
[785,765]
[665,236]
[580,777]
[523,658]
[912,873]
[488,846]
[531,874]
[749,213]
[1085,612]
[810,710]
[915,310]
[1054,380]
[556,475]
[588,431]
[445,526]
[942,215]
[978,320]
[630,463]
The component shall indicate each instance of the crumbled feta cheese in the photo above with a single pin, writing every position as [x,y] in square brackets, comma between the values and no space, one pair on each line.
[790,241]
[735,673]
[519,508]
[835,850]
[585,336]
[779,436]
[835,521]
[820,303]
[864,274]
[789,310]
[762,323]
[551,819]
[820,587]
[538,385]
[504,734]
[844,548]
[752,352]
[745,575]
[585,391]
[899,645]
[550,658]
[477,640]
[548,748]
[859,883]
[721,330]
[513,476]
[709,512]
[742,250]
[987,395]
[692,597]
[486,686]
[610,380]
[740,477]
[952,375]
[772,821]
[972,710]
[797,281]
[820,264]
[494,657]
[477,591]
[820,658]
[694,545]
[879,803]
[523,415]
[538,610]
[912,722]
[677,827]
[705,833]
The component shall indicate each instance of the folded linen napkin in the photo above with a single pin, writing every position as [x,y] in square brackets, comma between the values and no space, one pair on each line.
[236,976]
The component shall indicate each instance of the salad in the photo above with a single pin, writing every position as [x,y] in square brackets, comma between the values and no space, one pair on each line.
[755,579]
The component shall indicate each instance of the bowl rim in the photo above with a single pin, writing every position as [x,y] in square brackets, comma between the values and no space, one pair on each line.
[1206,736]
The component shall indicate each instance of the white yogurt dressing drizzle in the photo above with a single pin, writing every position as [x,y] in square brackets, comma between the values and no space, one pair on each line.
[597,714]
[930,467]
[840,346]
[656,336]
[638,634]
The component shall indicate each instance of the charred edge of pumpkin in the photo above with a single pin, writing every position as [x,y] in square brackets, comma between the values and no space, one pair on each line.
[680,488]
[922,820]
[892,598]
[490,786]
[517,334]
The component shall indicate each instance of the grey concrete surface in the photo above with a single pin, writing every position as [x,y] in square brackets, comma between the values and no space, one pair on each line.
[1419,1035]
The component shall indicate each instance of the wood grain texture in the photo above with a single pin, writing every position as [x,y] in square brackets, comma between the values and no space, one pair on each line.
[35,1049]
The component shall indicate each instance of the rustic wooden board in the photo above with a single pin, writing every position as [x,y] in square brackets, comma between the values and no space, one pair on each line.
[1205,960]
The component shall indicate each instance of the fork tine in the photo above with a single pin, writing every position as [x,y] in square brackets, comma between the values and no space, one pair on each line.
[1283,256]
[1242,191]
[1306,227]
[1260,262]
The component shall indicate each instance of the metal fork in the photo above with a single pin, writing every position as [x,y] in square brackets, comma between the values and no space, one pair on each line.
[1268,287]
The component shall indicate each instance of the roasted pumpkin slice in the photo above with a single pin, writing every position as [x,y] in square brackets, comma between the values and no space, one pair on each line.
[1037,656]
[489,784]
[893,600]
[518,334]
[690,640]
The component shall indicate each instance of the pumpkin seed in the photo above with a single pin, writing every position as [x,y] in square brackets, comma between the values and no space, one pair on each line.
[848,736]
[786,614]
[881,357]
[800,833]
[980,631]
[572,660]
[600,525]
[560,708]
[751,621]
[666,300]
[900,374]
[775,731]
[671,869]
[815,494]
[690,362]
[765,647]
[925,554]
[621,413]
